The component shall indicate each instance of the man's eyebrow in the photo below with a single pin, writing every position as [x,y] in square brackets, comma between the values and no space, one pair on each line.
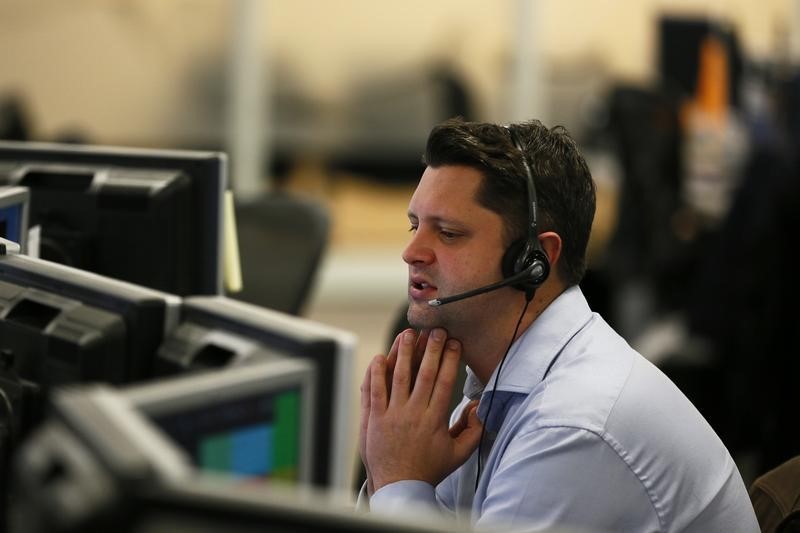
[439,219]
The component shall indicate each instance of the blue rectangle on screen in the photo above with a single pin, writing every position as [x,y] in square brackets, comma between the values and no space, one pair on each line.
[11,222]
[251,451]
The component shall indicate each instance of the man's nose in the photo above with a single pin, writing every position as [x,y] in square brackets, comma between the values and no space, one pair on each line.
[419,250]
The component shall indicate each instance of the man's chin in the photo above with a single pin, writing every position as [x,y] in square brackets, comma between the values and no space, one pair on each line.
[422,316]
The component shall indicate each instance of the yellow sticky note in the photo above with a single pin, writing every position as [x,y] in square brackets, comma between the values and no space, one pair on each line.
[232,265]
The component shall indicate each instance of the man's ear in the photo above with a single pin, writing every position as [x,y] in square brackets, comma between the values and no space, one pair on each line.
[551,244]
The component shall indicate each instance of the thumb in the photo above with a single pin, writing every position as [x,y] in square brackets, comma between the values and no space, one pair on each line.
[469,437]
[463,419]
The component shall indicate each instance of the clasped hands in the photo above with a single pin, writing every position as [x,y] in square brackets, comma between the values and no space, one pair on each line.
[405,399]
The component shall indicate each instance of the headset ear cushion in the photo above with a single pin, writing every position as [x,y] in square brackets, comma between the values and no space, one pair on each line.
[511,267]
[510,258]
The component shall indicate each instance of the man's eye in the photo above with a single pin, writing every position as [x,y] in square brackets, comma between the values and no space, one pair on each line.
[448,235]
[413,228]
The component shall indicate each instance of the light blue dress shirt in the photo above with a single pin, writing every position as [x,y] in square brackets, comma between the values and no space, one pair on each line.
[602,442]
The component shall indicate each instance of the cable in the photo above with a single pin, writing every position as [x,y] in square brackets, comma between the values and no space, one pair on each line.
[496,379]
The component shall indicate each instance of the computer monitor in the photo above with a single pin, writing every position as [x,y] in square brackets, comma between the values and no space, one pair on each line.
[14,215]
[61,325]
[218,332]
[104,462]
[253,422]
[150,217]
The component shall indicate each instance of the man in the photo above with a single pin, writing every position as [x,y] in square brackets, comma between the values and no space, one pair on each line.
[562,424]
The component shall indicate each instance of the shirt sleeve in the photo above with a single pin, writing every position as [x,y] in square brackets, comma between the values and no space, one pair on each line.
[564,476]
[399,497]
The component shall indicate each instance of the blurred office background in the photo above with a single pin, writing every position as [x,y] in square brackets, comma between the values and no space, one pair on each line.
[688,114]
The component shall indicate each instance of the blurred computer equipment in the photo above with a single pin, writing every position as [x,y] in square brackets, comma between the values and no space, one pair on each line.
[253,423]
[219,332]
[60,325]
[14,204]
[106,461]
[150,217]
[194,365]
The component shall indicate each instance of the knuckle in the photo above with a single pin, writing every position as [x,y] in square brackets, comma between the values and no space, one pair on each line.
[374,395]
[401,378]
[447,381]
[426,375]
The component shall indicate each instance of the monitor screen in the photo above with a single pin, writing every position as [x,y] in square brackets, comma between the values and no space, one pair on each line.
[219,332]
[60,325]
[14,214]
[150,217]
[251,422]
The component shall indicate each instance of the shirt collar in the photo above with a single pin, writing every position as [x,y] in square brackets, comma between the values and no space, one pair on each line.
[531,354]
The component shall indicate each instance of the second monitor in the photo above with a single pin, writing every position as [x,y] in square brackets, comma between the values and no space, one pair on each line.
[218,332]
[146,216]
[252,423]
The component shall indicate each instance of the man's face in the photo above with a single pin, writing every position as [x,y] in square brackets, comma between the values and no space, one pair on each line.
[457,245]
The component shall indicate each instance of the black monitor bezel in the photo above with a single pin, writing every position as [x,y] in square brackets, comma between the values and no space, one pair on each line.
[207,169]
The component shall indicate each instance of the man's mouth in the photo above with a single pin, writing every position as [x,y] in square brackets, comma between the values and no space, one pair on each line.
[421,289]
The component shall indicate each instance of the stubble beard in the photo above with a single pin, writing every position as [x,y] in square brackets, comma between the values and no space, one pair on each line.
[422,316]
[460,319]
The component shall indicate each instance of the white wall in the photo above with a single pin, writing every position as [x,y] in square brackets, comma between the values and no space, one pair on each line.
[127,70]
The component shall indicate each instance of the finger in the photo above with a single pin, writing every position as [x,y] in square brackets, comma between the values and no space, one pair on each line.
[446,379]
[422,340]
[364,416]
[429,368]
[365,398]
[401,379]
[468,439]
[377,386]
[391,359]
[419,353]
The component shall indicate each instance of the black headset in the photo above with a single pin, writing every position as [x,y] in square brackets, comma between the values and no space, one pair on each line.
[525,257]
